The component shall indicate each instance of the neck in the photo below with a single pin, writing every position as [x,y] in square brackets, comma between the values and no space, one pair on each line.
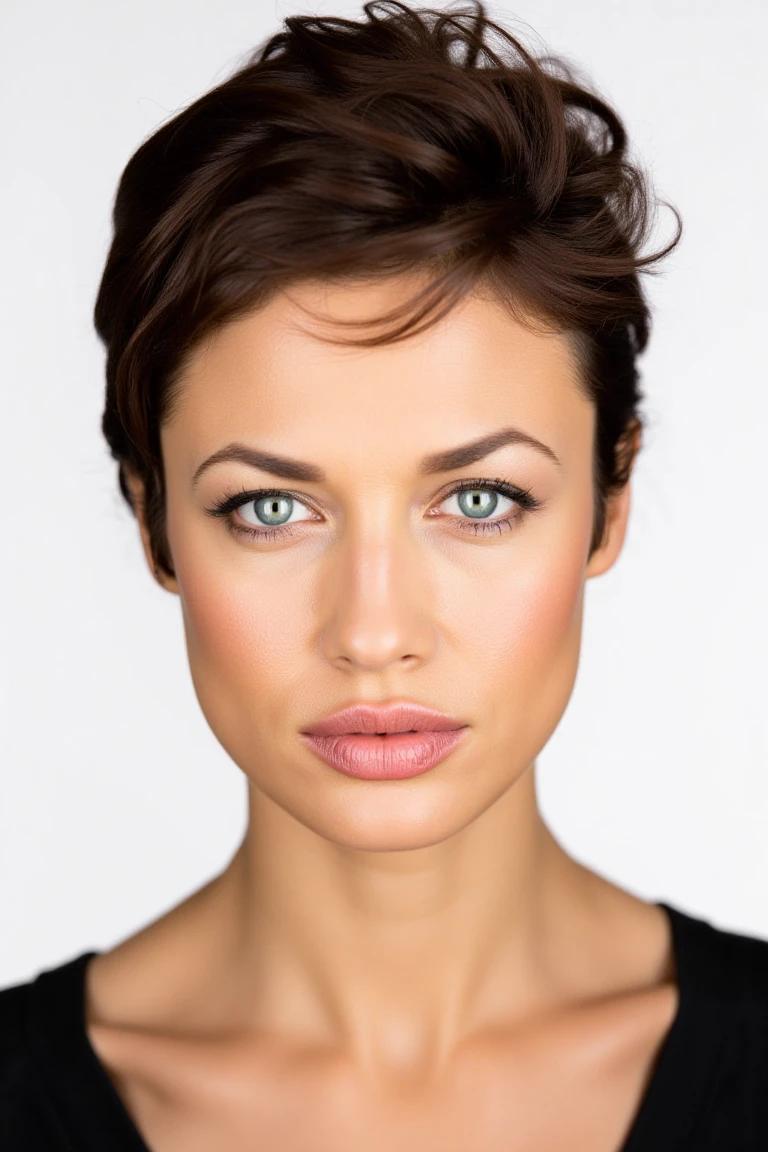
[396,956]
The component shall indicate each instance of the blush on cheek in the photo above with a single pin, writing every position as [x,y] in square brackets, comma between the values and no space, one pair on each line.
[551,602]
[235,633]
[540,634]
[551,590]
[532,650]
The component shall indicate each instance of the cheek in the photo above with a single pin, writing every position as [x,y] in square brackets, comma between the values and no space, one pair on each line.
[537,621]
[248,626]
[528,650]
[244,638]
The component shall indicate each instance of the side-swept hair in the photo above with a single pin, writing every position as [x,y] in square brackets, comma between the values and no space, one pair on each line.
[409,139]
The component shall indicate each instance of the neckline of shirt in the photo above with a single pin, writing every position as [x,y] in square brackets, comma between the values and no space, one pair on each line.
[680,1078]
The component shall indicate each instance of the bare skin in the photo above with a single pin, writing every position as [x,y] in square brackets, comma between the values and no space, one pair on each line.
[415,964]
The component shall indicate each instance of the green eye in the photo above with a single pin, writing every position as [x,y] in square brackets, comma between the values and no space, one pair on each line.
[273,509]
[478,502]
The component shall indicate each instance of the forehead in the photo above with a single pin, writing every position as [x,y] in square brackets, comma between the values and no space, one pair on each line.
[273,378]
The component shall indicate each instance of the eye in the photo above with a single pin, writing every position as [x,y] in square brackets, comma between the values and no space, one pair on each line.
[479,503]
[480,506]
[273,510]
[264,514]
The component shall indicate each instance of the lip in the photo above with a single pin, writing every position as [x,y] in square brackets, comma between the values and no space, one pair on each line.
[392,742]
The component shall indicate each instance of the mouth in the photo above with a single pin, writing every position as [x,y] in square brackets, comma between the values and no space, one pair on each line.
[394,742]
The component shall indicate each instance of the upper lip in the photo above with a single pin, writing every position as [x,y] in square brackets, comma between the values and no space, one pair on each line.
[371,718]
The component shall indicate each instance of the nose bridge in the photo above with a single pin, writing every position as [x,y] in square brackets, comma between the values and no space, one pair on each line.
[378,592]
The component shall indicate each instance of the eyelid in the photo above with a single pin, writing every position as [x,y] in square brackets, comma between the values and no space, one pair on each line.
[248,495]
[497,483]
[523,499]
[243,496]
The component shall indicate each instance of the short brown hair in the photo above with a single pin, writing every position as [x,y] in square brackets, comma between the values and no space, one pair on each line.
[410,139]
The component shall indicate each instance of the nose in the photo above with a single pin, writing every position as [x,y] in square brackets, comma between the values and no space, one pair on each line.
[376,602]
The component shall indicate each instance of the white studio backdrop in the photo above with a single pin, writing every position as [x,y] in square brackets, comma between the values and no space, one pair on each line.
[116,800]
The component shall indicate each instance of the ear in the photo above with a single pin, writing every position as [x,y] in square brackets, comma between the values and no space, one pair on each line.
[618,505]
[137,490]
[616,519]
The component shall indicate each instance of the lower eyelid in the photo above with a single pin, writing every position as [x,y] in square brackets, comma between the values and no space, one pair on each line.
[476,525]
[265,533]
[499,522]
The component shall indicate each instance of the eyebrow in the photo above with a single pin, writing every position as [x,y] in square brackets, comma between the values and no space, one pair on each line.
[287,468]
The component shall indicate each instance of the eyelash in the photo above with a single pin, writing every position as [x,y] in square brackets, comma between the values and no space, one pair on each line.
[523,498]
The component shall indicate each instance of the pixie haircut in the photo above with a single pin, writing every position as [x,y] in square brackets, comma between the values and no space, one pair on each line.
[409,140]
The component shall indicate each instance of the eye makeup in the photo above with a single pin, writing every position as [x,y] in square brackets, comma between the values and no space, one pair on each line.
[523,502]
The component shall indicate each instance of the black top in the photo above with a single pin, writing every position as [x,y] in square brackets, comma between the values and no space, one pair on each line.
[708,1090]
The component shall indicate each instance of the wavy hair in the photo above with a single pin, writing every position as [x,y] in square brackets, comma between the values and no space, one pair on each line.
[411,139]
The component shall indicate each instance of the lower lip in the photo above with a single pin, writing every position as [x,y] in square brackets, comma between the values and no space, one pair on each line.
[396,756]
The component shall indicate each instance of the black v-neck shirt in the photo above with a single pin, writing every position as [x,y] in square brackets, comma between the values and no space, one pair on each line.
[708,1091]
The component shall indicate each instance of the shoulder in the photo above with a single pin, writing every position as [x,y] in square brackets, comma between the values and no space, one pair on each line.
[730,967]
[50,1001]
[17,1070]
[15,1002]
[38,1038]
[722,1032]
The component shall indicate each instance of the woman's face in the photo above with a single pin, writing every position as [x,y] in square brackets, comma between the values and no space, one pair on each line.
[372,580]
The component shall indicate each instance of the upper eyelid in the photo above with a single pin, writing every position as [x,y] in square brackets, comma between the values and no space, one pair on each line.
[232,503]
[247,496]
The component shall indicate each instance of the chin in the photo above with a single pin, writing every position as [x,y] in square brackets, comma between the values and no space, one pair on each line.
[394,816]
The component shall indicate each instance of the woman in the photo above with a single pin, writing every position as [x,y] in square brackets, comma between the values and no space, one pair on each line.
[372,312]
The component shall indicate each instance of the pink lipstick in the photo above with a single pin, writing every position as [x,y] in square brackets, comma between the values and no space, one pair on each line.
[392,742]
